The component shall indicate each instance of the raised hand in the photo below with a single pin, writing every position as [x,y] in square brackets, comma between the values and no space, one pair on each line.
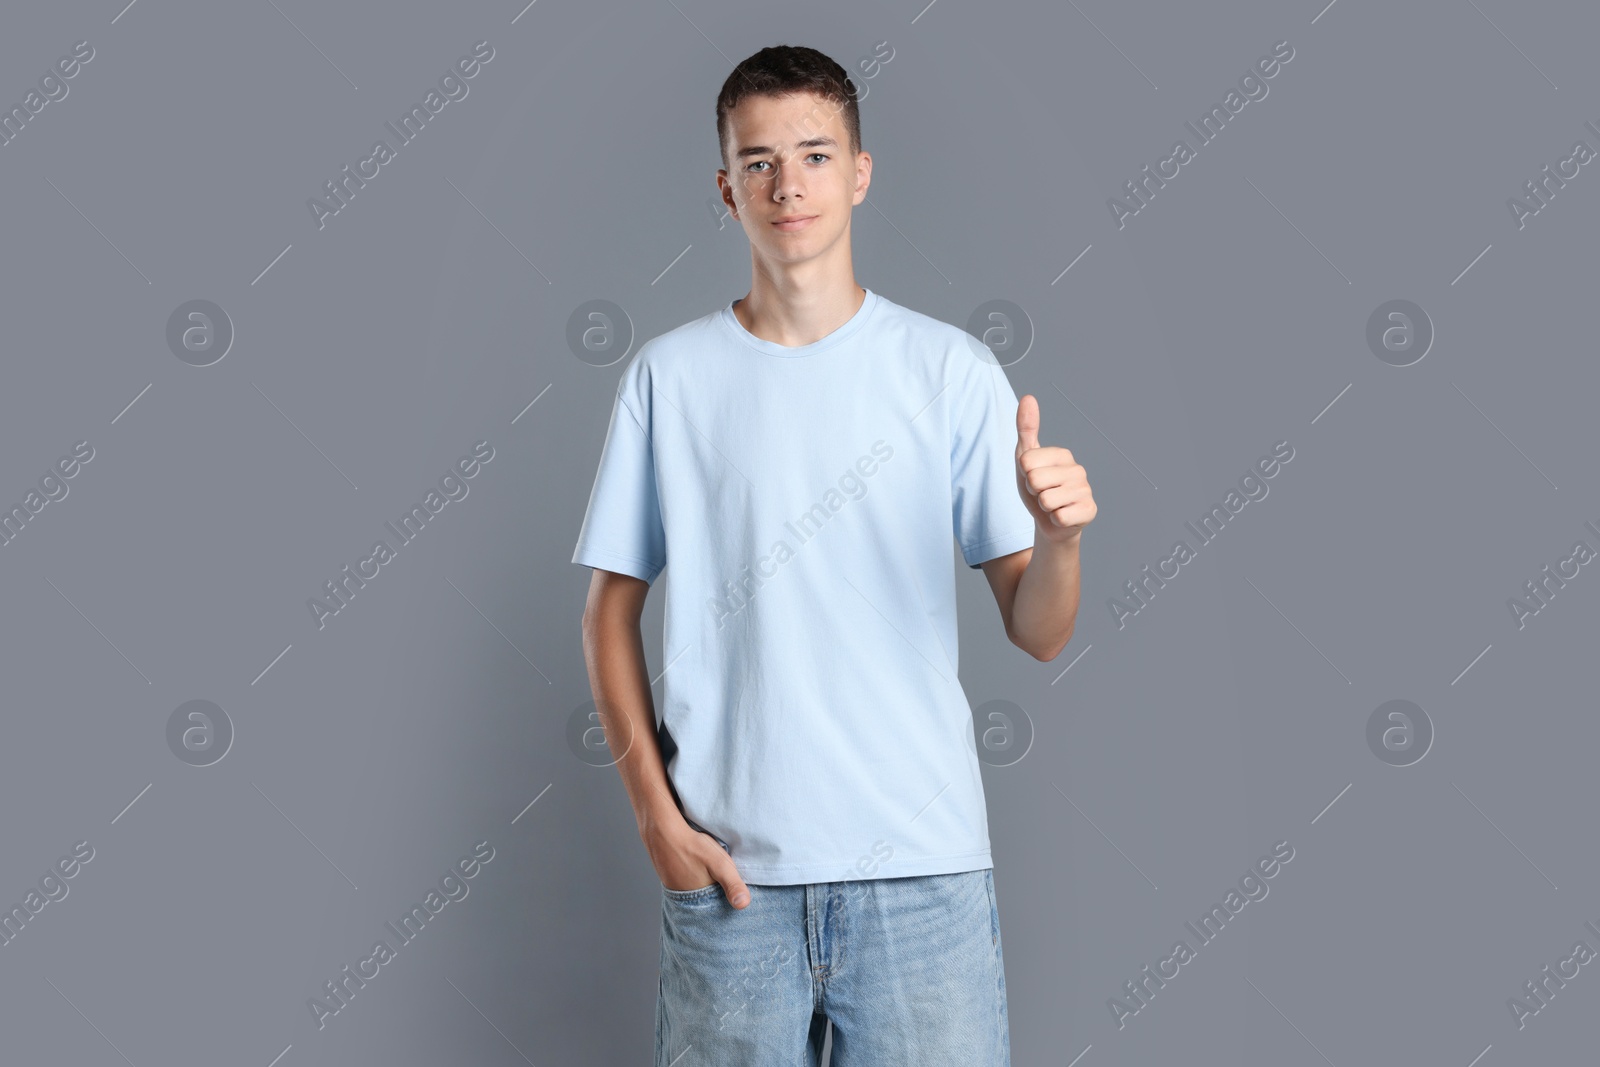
[1052,484]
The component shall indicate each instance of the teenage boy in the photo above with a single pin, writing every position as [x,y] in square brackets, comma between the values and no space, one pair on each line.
[796,462]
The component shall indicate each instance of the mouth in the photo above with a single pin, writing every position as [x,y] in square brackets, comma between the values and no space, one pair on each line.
[796,222]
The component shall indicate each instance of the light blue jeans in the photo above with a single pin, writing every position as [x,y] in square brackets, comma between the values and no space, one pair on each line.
[898,964]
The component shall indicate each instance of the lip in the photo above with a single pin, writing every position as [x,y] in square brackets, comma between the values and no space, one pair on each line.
[798,222]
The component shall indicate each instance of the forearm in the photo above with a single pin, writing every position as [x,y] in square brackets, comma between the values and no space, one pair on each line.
[1045,609]
[619,679]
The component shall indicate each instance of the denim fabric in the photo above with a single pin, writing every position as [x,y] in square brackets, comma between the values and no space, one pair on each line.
[898,964]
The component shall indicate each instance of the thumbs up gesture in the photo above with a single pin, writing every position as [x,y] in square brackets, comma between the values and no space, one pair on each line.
[1052,484]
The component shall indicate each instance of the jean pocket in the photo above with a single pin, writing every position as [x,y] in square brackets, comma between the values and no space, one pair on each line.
[685,896]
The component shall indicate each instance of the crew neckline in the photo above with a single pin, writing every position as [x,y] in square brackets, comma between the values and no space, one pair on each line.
[868,304]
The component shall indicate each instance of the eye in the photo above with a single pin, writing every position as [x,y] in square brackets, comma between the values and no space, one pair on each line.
[823,156]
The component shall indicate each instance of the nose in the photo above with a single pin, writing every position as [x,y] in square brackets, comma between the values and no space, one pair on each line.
[787,183]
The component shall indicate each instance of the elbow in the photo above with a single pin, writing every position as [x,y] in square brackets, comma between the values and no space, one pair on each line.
[1045,655]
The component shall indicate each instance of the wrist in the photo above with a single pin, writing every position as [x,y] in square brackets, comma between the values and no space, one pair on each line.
[1049,534]
[657,816]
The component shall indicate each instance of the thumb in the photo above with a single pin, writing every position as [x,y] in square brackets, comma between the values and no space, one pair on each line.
[732,885]
[1027,424]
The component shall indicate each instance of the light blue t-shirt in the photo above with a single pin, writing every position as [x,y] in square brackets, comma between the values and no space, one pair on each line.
[801,502]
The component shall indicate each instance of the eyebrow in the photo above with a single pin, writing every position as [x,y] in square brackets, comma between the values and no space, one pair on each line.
[810,142]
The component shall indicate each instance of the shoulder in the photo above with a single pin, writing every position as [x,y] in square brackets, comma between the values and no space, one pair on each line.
[668,352]
[956,352]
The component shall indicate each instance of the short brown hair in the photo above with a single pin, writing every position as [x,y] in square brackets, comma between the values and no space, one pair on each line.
[784,69]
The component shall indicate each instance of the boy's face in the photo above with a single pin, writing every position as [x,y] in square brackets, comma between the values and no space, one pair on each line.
[790,159]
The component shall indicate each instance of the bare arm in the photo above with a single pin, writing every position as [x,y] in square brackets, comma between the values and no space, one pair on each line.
[613,648]
[1037,592]
[1037,588]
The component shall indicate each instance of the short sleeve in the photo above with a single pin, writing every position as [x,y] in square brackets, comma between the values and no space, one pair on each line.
[987,515]
[622,529]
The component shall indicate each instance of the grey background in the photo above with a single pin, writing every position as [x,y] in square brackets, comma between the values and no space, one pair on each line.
[371,754]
